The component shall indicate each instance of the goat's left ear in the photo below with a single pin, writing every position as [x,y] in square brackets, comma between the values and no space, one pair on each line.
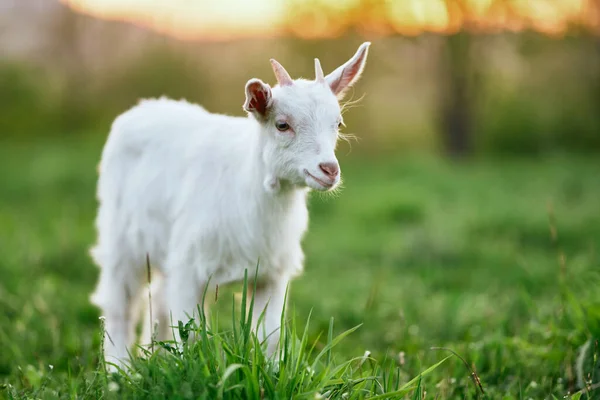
[346,75]
[258,98]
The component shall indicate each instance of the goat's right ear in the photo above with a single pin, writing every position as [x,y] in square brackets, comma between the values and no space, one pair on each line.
[258,98]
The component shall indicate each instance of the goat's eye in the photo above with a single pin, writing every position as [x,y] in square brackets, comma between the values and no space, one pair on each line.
[282,126]
[340,125]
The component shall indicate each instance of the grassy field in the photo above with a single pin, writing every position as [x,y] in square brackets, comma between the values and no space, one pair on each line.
[496,260]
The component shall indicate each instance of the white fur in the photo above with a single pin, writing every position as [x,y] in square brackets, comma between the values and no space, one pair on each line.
[208,195]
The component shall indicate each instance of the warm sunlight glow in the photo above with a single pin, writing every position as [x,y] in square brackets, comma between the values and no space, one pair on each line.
[228,19]
[189,19]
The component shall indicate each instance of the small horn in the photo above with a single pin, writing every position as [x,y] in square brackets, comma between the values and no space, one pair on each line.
[319,72]
[283,78]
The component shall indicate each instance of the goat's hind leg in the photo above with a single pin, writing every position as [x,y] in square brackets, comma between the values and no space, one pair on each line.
[157,325]
[116,293]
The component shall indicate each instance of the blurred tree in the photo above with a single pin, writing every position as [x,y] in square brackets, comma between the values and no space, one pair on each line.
[456,94]
[595,31]
[66,49]
[456,89]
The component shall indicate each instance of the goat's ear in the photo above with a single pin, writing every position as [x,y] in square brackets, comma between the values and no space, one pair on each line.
[258,98]
[346,75]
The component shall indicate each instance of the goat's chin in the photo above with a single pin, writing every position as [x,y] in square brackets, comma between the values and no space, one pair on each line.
[318,184]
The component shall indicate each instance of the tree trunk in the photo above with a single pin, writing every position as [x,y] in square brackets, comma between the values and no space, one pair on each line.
[456,96]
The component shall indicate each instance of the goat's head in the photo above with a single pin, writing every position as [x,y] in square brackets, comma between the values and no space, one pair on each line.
[301,119]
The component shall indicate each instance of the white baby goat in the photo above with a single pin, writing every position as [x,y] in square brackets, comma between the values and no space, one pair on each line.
[208,195]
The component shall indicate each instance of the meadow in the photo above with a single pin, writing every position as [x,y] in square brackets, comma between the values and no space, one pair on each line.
[495,259]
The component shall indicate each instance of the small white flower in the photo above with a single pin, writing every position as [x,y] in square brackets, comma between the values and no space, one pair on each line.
[364,357]
[51,367]
[102,318]
[113,386]
[533,384]
[401,359]
[137,377]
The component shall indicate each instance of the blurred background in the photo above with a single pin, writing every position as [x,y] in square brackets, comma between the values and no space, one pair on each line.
[463,77]
[470,215]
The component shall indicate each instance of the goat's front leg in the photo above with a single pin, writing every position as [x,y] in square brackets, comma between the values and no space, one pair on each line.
[182,295]
[270,298]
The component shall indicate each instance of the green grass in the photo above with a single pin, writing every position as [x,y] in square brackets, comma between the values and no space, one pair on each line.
[419,252]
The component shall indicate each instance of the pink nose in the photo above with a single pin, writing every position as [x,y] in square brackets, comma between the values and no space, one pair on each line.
[330,169]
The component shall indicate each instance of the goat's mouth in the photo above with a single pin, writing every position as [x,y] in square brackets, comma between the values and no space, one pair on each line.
[324,184]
